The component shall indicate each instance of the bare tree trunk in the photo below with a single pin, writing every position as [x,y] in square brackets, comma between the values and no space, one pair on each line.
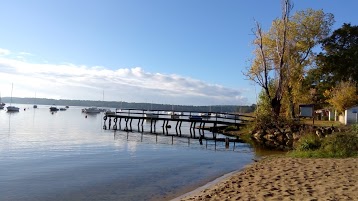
[276,107]
[291,104]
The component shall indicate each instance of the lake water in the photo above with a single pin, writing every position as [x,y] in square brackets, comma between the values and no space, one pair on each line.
[68,156]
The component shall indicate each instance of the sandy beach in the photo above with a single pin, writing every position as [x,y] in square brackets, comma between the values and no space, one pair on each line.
[281,178]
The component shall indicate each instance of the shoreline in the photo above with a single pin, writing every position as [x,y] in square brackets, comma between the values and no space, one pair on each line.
[284,178]
[207,185]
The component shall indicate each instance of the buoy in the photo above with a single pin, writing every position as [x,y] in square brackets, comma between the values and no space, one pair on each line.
[86,116]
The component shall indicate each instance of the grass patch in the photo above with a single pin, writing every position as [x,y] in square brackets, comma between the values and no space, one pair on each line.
[321,123]
[340,145]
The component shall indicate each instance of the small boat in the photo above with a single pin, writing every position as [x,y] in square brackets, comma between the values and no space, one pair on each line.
[109,112]
[67,106]
[12,109]
[205,115]
[92,110]
[151,115]
[2,105]
[35,106]
[53,109]
[195,117]
[63,109]
[175,116]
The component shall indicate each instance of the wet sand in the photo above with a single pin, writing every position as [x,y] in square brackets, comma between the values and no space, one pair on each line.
[281,178]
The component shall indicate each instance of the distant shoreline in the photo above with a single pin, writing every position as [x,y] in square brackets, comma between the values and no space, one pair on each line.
[123,104]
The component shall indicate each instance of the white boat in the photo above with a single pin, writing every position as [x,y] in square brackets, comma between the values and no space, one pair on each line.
[205,115]
[11,108]
[92,110]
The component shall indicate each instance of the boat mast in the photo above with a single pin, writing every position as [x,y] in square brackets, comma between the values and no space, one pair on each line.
[12,87]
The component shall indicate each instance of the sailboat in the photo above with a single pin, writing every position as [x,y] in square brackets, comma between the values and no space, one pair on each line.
[35,106]
[1,103]
[11,108]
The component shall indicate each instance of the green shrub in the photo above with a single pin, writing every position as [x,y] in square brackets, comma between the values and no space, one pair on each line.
[308,142]
[355,129]
[341,145]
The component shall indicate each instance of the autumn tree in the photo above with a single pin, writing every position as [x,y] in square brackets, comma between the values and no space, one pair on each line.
[337,62]
[282,53]
[343,96]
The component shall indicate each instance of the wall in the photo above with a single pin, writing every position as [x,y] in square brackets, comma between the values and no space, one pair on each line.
[350,116]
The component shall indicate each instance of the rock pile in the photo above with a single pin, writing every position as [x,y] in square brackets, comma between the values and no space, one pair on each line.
[285,137]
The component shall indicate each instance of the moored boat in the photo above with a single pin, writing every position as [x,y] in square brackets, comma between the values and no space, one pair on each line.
[53,109]
[92,110]
[151,115]
[12,108]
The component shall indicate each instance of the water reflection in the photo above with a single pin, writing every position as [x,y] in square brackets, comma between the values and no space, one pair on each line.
[66,154]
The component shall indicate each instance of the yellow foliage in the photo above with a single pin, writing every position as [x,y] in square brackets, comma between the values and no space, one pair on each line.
[343,96]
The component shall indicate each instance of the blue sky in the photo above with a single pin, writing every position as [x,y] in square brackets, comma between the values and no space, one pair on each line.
[190,52]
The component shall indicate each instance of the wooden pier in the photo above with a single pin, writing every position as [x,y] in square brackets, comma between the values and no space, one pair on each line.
[198,121]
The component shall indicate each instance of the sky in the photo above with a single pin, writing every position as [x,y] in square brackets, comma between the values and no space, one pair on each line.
[182,52]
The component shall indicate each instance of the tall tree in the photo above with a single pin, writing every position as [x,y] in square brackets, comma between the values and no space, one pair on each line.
[270,56]
[339,60]
[282,53]
[307,29]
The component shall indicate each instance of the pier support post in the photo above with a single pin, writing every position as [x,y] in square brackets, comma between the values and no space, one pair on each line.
[120,123]
[138,125]
[130,124]
[151,125]
[227,142]
[115,123]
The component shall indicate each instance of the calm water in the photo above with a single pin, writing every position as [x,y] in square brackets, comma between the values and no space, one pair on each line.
[66,156]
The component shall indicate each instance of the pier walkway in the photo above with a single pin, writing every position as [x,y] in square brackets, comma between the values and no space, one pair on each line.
[197,120]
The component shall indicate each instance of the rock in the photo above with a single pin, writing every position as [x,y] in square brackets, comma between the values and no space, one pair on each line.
[269,136]
[296,136]
[289,136]
[319,133]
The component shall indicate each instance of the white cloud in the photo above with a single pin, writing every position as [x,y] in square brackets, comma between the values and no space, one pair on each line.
[4,52]
[69,81]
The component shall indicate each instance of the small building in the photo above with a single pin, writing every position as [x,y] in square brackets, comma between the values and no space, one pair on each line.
[351,115]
